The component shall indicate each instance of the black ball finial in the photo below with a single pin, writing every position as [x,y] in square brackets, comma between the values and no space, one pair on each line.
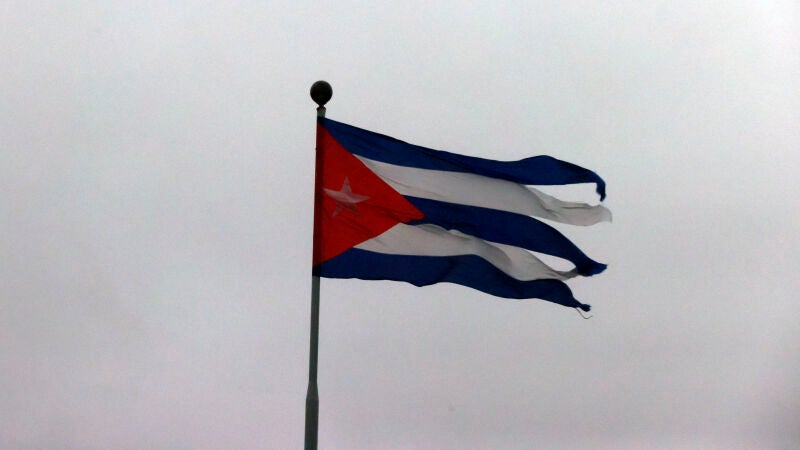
[321,92]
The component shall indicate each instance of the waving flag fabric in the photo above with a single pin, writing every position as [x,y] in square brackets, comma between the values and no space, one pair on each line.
[389,210]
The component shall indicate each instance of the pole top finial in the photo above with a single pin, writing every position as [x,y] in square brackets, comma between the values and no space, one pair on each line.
[321,92]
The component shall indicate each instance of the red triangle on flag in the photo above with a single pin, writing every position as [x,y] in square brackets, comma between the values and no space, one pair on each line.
[352,203]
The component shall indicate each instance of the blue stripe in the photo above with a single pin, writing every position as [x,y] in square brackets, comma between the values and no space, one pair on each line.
[505,227]
[537,170]
[468,270]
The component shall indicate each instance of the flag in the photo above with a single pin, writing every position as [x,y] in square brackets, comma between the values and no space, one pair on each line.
[390,210]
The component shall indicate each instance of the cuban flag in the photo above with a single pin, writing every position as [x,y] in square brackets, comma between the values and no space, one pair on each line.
[389,210]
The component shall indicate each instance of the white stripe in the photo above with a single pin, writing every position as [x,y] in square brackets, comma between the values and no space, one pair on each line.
[432,240]
[478,190]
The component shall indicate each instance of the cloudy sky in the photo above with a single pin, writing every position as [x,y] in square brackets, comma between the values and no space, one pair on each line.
[156,220]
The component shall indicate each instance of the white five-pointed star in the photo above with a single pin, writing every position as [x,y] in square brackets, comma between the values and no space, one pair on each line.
[345,198]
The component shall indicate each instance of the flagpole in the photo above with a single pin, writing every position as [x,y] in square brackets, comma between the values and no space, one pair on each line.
[321,92]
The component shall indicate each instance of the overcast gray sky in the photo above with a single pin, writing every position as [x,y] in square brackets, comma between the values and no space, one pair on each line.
[156,215]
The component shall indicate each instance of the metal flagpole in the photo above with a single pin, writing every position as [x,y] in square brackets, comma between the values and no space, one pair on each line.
[321,92]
